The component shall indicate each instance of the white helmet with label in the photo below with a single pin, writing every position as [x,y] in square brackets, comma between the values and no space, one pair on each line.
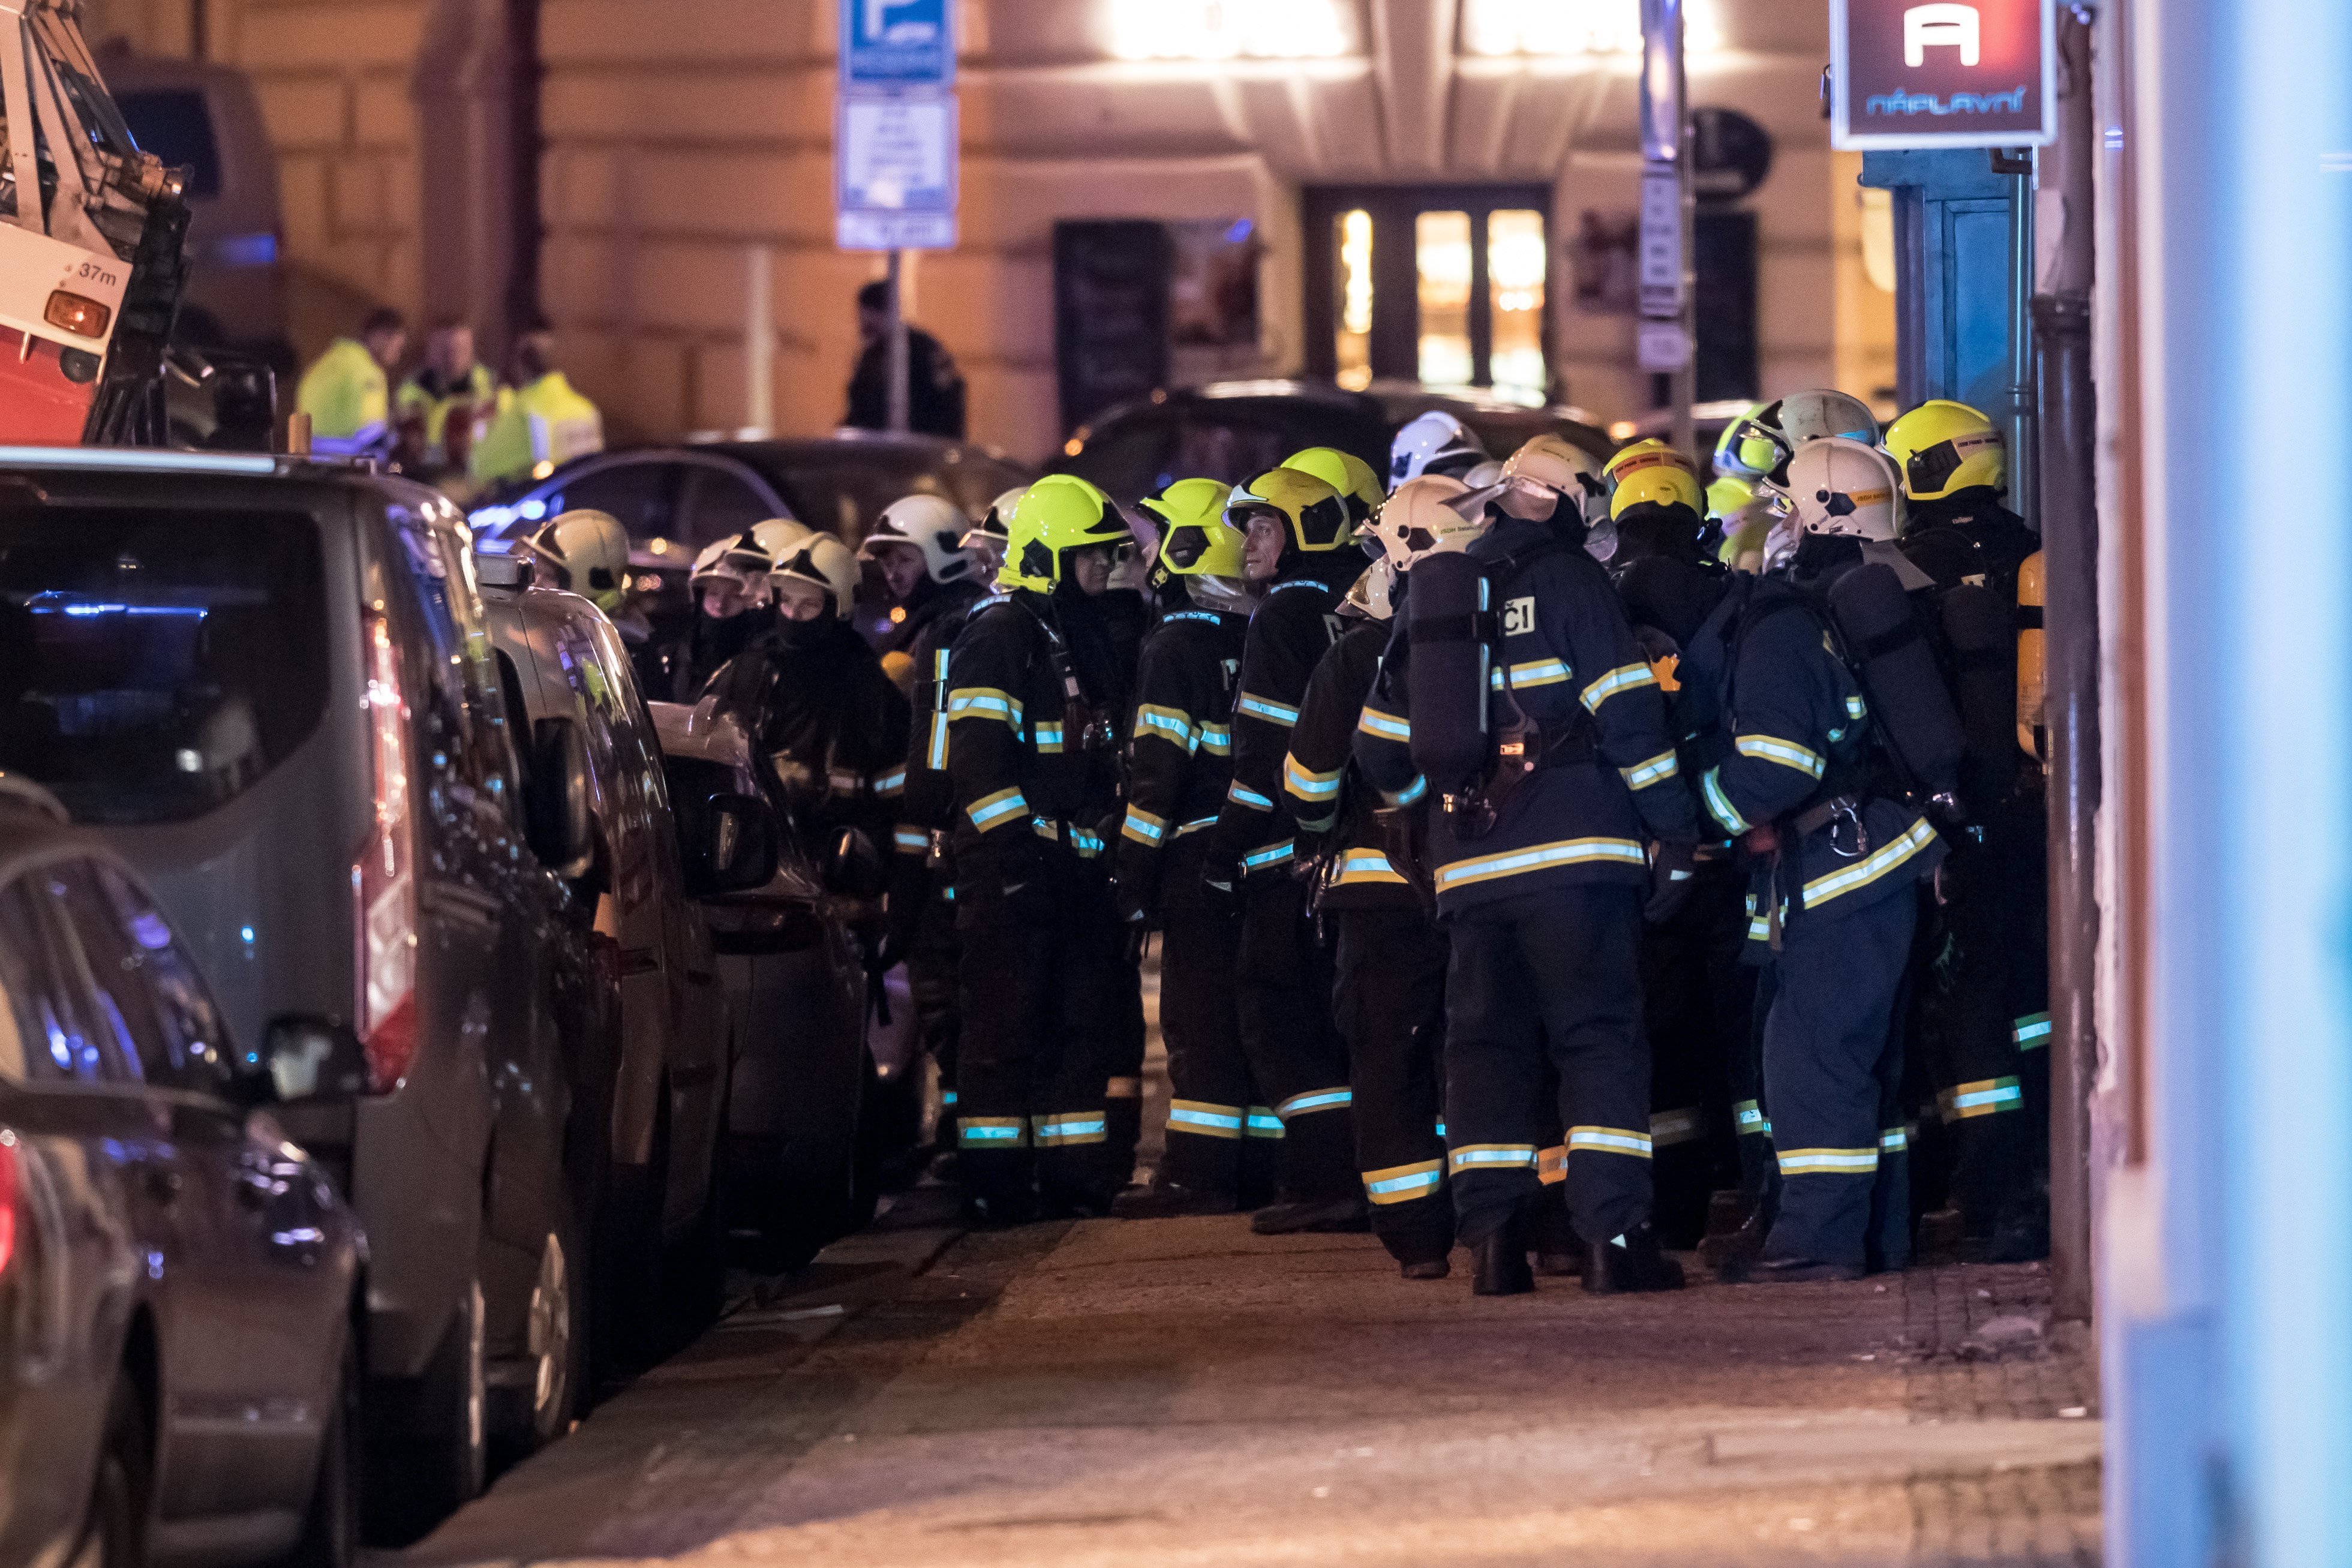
[1845,488]
[739,559]
[779,535]
[1421,517]
[826,561]
[1435,442]
[586,552]
[931,524]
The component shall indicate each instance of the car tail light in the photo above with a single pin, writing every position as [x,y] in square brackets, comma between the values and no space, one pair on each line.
[7,1202]
[72,313]
[383,879]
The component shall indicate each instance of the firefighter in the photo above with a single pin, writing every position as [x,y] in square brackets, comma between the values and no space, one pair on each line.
[812,695]
[731,605]
[1433,443]
[1389,989]
[441,409]
[1220,1132]
[346,393]
[1531,717]
[1359,486]
[987,537]
[1985,1003]
[1299,553]
[1698,997]
[1836,859]
[585,552]
[932,580]
[1031,761]
[540,424]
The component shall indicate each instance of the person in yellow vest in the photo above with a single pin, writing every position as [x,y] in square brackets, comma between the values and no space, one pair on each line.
[441,410]
[542,424]
[346,392]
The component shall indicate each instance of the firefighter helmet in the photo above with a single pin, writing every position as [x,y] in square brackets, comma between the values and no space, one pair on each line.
[1844,486]
[1195,539]
[1423,518]
[779,535]
[587,551]
[1729,462]
[1430,441]
[1060,512]
[987,537]
[739,559]
[826,561]
[1665,481]
[1756,442]
[930,524]
[1825,412]
[1944,448]
[1345,472]
[1315,514]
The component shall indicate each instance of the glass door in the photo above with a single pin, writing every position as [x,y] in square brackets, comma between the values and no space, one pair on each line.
[1444,285]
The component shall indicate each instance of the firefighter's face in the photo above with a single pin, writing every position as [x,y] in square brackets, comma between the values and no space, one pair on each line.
[802,601]
[1262,551]
[1090,568]
[453,351]
[902,568]
[724,600]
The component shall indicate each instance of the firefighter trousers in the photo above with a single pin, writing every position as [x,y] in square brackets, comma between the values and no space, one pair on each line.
[1040,1020]
[1698,1001]
[1295,1051]
[1832,1066]
[1123,1090]
[1222,1134]
[1389,998]
[933,982]
[1565,958]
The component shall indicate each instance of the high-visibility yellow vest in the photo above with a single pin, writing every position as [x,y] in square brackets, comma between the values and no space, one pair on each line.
[537,428]
[478,391]
[346,397]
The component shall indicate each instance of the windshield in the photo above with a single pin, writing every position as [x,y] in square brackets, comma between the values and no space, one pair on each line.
[844,494]
[156,662]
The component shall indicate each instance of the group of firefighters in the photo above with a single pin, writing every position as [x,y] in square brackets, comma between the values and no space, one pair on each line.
[1566,859]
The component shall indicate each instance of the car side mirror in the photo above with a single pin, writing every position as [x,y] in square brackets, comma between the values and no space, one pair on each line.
[304,1058]
[732,848]
[853,867]
[559,824]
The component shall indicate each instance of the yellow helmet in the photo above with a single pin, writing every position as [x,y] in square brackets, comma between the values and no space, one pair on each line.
[1062,512]
[1195,539]
[1727,495]
[1944,448]
[1660,484]
[1730,459]
[1316,514]
[1647,460]
[1345,472]
[1754,445]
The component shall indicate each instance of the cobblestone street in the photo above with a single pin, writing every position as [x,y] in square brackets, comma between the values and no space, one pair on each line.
[1182,1392]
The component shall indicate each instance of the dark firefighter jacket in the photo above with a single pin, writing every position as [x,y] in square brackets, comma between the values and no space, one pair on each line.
[1568,658]
[1022,769]
[1294,624]
[824,710]
[1790,731]
[1967,536]
[1179,754]
[1328,798]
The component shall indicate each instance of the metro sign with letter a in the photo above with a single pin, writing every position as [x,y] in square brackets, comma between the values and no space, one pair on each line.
[1943,73]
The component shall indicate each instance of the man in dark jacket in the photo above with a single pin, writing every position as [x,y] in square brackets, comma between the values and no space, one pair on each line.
[935,390]
[1032,761]
[1300,553]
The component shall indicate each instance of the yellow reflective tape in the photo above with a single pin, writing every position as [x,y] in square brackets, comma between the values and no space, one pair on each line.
[1403,1184]
[1172,725]
[1075,1126]
[1822,889]
[1609,1140]
[994,810]
[1491,1157]
[1538,672]
[1987,1097]
[992,1131]
[1387,726]
[1668,1128]
[984,702]
[1828,1161]
[1788,754]
[1308,785]
[1204,1118]
[1359,866]
[1658,769]
[1624,677]
[1540,858]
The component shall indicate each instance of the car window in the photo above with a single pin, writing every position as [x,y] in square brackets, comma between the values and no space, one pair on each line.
[1128,460]
[132,953]
[845,497]
[1230,449]
[641,497]
[155,662]
[67,1038]
[467,711]
[717,504]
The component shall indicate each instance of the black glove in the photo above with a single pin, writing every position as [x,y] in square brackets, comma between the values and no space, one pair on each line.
[1672,869]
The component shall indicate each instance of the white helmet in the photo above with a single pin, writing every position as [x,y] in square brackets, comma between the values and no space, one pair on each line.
[1374,596]
[779,535]
[1421,518]
[1543,470]
[1845,488]
[587,552]
[738,559]
[1483,475]
[931,524]
[1825,412]
[994,533]
[826,561]
[1432,440]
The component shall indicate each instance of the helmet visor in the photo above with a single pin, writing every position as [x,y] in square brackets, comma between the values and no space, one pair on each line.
[1931,469]
[1760,448]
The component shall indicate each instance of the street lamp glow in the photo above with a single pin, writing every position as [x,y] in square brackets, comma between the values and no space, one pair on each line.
[1494,27]
[1228,29]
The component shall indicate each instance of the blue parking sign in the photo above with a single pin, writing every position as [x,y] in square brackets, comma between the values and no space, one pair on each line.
[898,44]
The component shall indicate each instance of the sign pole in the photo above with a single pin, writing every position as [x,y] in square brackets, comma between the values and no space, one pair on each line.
[898,350]
[1668,330]
[1685,382]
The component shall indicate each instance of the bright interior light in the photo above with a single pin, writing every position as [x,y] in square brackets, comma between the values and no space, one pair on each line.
[1575,26]
[1228,29]
[1355,334]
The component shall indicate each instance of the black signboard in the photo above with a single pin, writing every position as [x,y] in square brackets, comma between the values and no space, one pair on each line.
[1943,73]
[1110,314]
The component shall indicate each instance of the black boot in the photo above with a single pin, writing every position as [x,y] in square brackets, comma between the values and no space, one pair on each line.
[1343,1214]
[1792,1271]
[1502,1264]
[1165,1199]
[1630,1262]
[1426,1268]
[1559,1254]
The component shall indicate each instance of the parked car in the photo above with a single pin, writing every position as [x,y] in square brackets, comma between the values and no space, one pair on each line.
[269,684]
[180,1290]
[207,119]
[674,501]
[797,985]
[662,1093]
[1230,430]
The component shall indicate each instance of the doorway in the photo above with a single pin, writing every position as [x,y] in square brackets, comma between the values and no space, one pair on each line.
[1443,284]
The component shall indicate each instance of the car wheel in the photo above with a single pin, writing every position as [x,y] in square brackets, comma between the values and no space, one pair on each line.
[530,1416]
[436,1432]
[116,1533]
[330,1528]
